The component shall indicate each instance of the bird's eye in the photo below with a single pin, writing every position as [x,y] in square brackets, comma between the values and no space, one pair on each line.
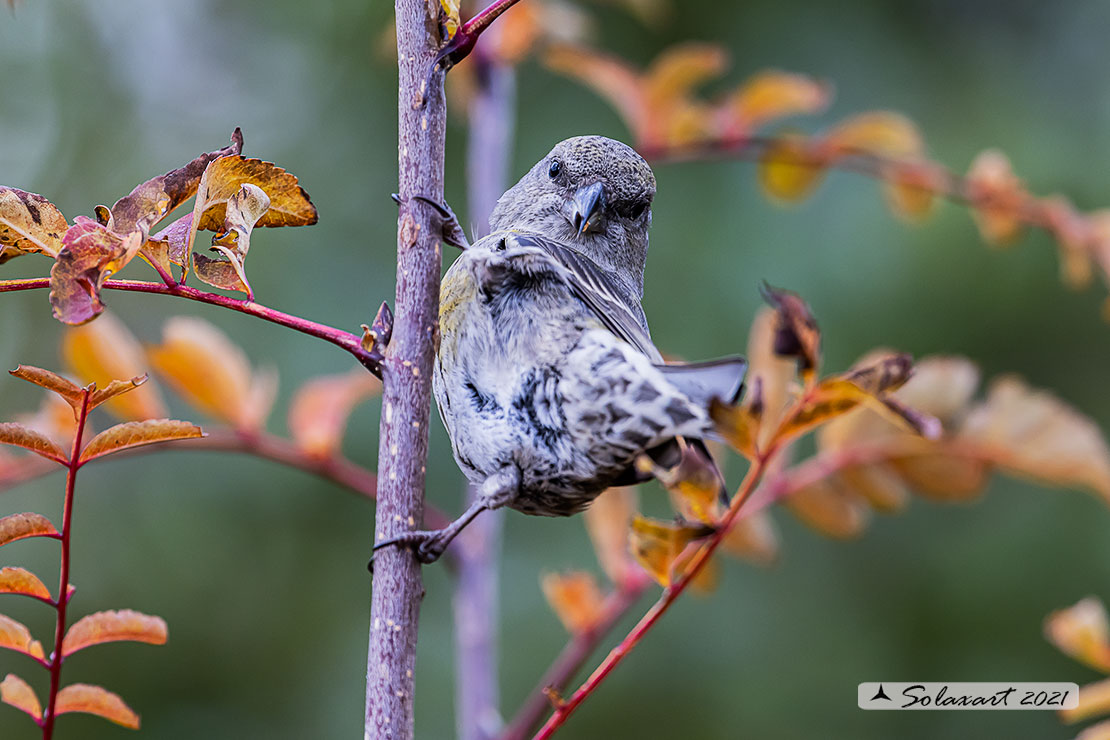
[633,209]
[555,169]
[637,209]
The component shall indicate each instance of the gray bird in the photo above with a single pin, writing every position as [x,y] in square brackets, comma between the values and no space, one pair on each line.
[546,376]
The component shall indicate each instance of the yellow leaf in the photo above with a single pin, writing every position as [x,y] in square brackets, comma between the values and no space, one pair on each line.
[694,482]
[225,177]
[575,599]
[449,18]
[80,697]
[657,545]
[829,509]
[1094,700]
[1082,632]
[774,94]
[15,636]
[19,581]
[997,196]
[911,189]
[739,425]
[675,73]
[136,434]
[29,224]
[607,522]
[105,350]
[114,626]
[320,408]
[212,373]
[20,526]
[880,133]
[15,692]
[771,375]
[789,169]
[1100,731]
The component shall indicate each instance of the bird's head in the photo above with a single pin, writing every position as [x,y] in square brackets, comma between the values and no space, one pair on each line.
[591,193]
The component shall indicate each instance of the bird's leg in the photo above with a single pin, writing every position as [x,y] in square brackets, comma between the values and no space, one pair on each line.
[451,230]
[497,490]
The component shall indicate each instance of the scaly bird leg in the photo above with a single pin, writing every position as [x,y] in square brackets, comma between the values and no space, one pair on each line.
[428,545]
[451,231]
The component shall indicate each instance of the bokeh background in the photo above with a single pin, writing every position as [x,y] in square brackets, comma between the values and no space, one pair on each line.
[261,573]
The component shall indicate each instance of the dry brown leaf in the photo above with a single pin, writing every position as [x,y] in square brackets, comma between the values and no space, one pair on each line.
[575,598]
[15,580]
[16,434]
[320,408]
[212,373]
[607,521]
[224,178]
[15,636]
[136,434]
[91,253]
[796,332]
[243,210]
[80,697]
[114,626]
[68,390]
[694,483]
[29,224]
[16,692]
[20,526]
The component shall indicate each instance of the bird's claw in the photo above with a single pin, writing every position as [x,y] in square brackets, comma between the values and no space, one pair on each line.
[427,546]
[451,231]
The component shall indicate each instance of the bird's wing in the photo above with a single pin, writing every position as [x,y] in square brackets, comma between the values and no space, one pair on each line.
[606,299]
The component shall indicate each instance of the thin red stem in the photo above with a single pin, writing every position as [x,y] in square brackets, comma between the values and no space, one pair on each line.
[489,14]
[62,601]
[345,340]
[669,596]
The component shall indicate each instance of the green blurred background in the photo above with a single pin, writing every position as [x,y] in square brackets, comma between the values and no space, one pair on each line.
[260,572]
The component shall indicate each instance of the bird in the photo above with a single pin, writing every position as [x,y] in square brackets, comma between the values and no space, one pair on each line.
[546,377]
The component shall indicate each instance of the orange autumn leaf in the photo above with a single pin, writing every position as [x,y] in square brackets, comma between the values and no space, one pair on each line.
[885,490]
[80,697]
[212,373]
[911,189]
[114,626]
[694,483]
[575,598]
[997,196]
[20,436]
[790,169]
[771,375]
[879,133]
[15,636]
[29,224]
[105,351]
[656,545]
[67,389]
[242,211]
[607,522]
[320,408]
[753,538]
[16,692]
[739,425]
[1082,632]
[829,509]
[774,94]
[115,388]
[54,419]
[20,526]
[1073,231]
[15,580]
[611,78]
[1094,700]
[136,434]
[1100,731]
[225,177]
[678,70]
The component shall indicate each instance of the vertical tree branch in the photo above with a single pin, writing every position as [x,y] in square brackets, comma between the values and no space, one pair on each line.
[477,699]
[406,374]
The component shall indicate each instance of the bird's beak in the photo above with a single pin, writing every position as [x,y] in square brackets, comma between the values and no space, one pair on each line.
[586,209]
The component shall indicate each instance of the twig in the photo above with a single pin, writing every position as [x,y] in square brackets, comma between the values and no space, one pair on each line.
[477,714]
[462,43]
[573,656]
[62,600]
[668,597]
[371,360]
[406,375]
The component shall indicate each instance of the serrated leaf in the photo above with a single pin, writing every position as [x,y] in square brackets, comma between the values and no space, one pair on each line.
[21,526]
[80,697]
[607,521]
[1082,632]
[320,408]
[575,599]
[789,170]
[212,373]
[243,210]
[16,434]
[656,545]
[15,580]
[15,636]
[114,626]
[90,254]
[52,382]
[224,178]
[16,692]
[136,434]
[105,351]
[774,94]
[29,224]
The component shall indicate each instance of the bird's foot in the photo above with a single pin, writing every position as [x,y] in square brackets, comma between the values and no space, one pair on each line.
[427,545]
